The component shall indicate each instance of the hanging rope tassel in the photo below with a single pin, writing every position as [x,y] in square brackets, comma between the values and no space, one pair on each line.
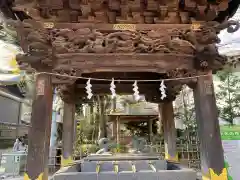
[112,89]
[136,92]
[89,89]
[162,90]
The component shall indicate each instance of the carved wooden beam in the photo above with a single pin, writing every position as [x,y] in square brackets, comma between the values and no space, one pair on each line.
[75,51]
[231,25]
[107,27]
[67,50]
[63,80]
[159,63]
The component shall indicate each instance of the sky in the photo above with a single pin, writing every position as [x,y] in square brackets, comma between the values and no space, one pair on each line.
[230,42]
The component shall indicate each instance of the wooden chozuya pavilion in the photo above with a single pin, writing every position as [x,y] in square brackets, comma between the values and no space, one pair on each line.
[121,39]
[136,113]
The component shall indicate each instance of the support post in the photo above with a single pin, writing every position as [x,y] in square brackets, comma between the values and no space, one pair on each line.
[169,131]
[103,121]
[118,130]
[68,134]
[114,129]
[114,122]
[40,131]
[150,129]
[212,159]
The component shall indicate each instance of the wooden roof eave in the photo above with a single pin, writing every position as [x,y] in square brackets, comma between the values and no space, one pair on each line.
[132,117]
[226,9]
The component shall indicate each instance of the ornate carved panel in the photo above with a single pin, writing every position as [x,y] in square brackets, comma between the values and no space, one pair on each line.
[82,48]
[93,41]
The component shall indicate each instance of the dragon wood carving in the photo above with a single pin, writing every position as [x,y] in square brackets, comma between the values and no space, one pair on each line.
[94,41]
[41,44]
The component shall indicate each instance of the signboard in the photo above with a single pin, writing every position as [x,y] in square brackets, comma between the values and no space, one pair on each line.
[230,136]
[127,27]
[40,87]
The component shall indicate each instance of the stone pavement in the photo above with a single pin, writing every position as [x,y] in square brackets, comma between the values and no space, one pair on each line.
[14,178]
[21,178]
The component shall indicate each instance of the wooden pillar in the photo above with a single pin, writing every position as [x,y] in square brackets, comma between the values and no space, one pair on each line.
[114,122]
[212,159]
[103,121]
[150,129]
[68,134]
[169,131]
[118,130]
[40,131]
[114,128]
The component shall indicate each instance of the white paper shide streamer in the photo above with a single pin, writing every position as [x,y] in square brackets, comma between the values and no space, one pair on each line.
[136,92]
[112,89]
[162,90]
[89,89]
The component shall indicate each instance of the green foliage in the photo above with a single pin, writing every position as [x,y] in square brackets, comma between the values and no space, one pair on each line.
[59,132]
[228,95]
[8,34]
[84,142]
[141,128]
[92,124]
[185,109]
[226,165]
[79,108]
[84,132]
